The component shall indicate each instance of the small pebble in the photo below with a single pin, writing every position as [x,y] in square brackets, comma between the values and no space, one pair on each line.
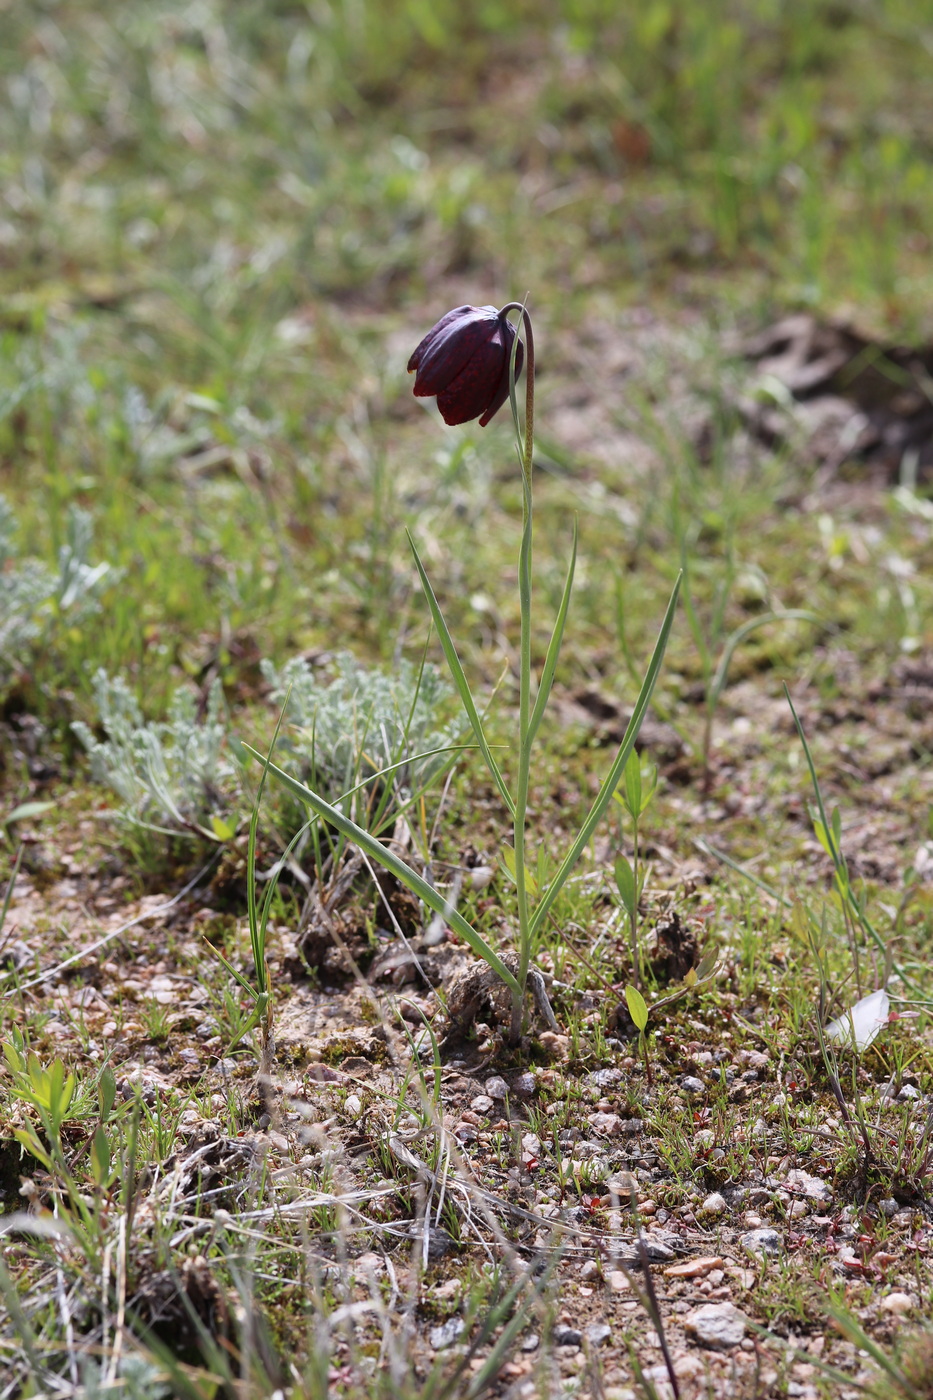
[605,1078]
[564,1336]
[524,1086]
[691,1085]
[589,1270]
[761,1242]
[481,1104]
[597,1333]
[694,1268]
[714,1205]
[446,1334]
[618,1283]
[497,1088]
[719,1326]
[898,1303]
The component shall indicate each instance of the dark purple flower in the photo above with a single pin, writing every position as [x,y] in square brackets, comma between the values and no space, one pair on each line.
[464,360]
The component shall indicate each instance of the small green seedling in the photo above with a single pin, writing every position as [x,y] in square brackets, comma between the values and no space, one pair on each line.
[633,794]
[638,1010]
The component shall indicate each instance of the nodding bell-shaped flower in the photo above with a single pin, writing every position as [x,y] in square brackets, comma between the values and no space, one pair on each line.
[464,360]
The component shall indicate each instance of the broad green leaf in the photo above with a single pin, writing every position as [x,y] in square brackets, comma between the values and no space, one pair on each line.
[625,879]
[637,1008]
[221,829]
[633,784]
[106,1093]
[822,835]
[101,1158]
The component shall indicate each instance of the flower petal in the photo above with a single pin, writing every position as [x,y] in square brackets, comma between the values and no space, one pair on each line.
[502,392]
[475,386]
[449,346]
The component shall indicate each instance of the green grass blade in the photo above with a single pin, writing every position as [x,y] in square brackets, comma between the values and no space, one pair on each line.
[610,782]
[553,651]
[389,861]
[461,682]
[737,637]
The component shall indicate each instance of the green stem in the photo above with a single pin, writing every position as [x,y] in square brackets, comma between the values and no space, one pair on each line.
[636,968]
[526,447]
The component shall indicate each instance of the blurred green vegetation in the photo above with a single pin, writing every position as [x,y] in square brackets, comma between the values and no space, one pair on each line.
[222,227]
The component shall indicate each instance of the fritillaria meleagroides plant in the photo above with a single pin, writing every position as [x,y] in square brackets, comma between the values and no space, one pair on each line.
[470,360]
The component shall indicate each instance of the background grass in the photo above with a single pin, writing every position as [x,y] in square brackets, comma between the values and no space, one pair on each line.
[223,228]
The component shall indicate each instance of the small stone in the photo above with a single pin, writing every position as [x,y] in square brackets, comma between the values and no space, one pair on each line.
[631,1127]
[694,1268]
[353,1106]
[617,1281]
[704,1139]
[597,1333]
[524,1086]
[798,1209]
[657,1250]
[605,1078]
[813,1187]
[564,1336]
[714,1205]
[497,1088]
[898,1303]
[719,1326]
[439,1241]
[482,1104]
[531,1146]
[481,876]
[445,1335]
[691,1085]
[908,1092]
[622,1183]
[888,1207]
[589,1270]
[606,1124]
[531,1342]
[761,1242]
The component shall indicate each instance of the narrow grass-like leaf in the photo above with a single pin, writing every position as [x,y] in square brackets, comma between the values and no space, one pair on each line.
[851,1330]
[391,862]
[610,782]
[5,907]
[460,681]
[831,831]
[553,651]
